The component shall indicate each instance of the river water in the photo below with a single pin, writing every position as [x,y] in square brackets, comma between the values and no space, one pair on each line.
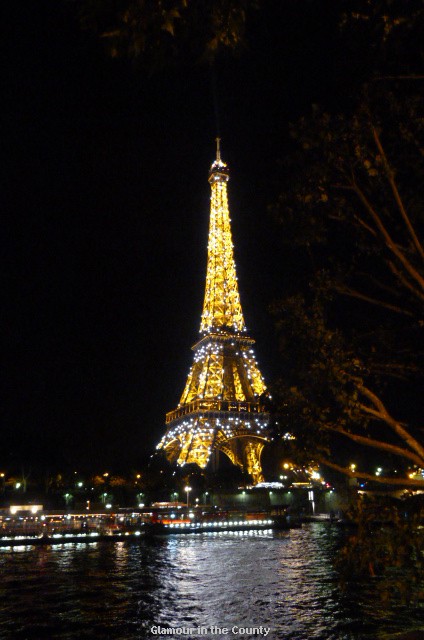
[120,591]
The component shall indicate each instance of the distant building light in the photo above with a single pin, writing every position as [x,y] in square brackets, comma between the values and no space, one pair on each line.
[269,485]
[33,508]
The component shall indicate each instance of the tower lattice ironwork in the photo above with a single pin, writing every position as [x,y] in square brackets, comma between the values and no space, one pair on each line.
[221,407]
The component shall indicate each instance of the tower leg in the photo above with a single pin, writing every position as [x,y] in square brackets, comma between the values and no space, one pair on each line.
[246,455]
[194,449]
[252,460]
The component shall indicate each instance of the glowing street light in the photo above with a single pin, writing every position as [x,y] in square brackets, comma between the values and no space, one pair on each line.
[68,498]
[187,490]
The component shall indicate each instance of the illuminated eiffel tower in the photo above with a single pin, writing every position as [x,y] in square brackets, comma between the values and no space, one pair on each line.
[221,406]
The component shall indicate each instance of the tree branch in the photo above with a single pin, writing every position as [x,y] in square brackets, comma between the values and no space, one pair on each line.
[394,371]
[365,225]
[391,178]
[378,444]
[404,281]
[405,482]
[347,291]
[381,285]
[382,414]
[387,238]
[372,412]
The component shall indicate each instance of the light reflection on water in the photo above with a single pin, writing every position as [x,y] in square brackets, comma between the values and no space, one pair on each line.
[286,581]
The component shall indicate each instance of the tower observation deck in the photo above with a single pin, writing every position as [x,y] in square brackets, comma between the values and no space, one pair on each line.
[221,406]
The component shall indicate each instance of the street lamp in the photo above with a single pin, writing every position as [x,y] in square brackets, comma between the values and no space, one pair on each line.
[187,490]
[68,498]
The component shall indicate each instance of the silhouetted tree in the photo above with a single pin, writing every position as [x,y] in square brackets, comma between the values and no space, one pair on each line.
[352,335]
[156,32]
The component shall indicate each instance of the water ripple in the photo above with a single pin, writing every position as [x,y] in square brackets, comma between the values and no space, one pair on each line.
[286,581]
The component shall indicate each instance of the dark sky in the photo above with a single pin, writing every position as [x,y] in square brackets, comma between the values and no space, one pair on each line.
[107,204]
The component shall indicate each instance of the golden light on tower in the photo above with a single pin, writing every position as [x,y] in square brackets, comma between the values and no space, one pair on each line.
[221,307]
[221,406]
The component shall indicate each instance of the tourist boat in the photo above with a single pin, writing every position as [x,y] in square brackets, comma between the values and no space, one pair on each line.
[171,523]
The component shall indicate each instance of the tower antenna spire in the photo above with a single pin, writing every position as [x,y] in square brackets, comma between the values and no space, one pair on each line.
[218,149]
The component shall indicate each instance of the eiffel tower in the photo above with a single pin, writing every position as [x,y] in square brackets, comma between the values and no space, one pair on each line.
[221,407]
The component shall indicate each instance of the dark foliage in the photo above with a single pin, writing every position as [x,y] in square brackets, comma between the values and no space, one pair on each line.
[352,332]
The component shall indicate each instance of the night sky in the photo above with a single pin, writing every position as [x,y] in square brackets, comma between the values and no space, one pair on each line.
[107,205]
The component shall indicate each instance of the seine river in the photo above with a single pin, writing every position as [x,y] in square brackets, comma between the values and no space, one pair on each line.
[239,581]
